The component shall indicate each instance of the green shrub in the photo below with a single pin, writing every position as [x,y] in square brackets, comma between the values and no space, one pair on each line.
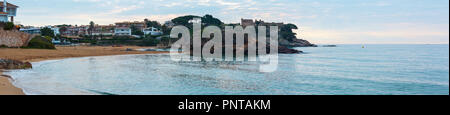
[7,25]
[166,40]
[40,42]
[48,39]
[150,42]
[3,46]
[47,32]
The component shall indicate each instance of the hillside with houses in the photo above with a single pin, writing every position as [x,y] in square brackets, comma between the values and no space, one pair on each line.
[137,33]
[136,30]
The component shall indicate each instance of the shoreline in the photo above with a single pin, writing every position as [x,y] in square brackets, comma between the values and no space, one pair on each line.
[7,88]
[37,55]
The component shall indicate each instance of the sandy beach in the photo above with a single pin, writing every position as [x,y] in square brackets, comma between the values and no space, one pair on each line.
[6,88]
[35,55]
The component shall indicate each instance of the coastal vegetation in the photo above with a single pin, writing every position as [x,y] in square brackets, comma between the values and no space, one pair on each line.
[7,25]
[119,40]
[41,42]
[207,20]
[287,38]
[36,42]
[287,33]
[47,32]
[91,27]
[136,31]
[150,23]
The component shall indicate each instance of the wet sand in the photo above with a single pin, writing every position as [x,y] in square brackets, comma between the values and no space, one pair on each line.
[6,88]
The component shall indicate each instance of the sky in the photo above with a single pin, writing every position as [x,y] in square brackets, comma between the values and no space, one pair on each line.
[319,21]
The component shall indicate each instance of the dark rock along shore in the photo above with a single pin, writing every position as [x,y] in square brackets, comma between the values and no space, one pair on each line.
[14,64]
[285,47]
[285,50]
[296,43]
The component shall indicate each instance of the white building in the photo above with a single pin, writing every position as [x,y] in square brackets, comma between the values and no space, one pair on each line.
[105,30]
[55,30]
[7,11]
[122,31]
[104,34]
[54,41]
[31,30]
[152,31]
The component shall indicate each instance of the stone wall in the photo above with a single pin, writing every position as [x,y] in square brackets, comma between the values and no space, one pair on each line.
[14,38]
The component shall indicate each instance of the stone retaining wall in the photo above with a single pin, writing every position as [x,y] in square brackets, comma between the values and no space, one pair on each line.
[14,38]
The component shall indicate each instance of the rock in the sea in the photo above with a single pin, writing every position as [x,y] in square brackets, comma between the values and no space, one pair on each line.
[329,46]
[129,49]
[7,76]
[14,64]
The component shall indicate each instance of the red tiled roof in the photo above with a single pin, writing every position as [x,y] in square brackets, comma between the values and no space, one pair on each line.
[9,5]
[123,28]
[135,22]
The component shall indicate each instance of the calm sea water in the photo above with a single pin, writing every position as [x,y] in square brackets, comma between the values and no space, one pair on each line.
[342,70]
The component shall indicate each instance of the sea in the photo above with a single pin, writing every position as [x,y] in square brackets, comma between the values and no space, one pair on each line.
[342,70]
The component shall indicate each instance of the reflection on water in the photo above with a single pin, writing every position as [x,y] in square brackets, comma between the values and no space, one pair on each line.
[348,69]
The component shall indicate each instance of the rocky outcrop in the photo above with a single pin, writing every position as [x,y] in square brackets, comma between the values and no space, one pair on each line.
[14,38]
[285,50]
[14,64]
[296,43]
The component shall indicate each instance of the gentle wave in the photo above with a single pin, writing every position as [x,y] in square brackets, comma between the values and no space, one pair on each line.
[347,69]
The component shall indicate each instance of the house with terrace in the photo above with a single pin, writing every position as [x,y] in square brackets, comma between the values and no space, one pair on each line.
[8,11]
[122,31]
[104,30]
[125,28]
[152,31]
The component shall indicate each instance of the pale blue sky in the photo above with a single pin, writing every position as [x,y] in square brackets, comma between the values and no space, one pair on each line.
[320,21]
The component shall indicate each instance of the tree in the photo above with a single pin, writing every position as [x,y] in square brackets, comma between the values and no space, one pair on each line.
[47,32]
[150,23]
[166,41]
[91,27]
[136,31]
[149,41]
[63,25]
[7,25]
[287,33]
[210,20]
[184,20]
[41,42]
[166,30]
[207,20]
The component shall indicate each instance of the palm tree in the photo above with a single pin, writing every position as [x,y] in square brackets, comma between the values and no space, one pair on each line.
[91,28]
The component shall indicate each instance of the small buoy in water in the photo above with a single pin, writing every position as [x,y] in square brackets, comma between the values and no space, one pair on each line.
[363,47]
